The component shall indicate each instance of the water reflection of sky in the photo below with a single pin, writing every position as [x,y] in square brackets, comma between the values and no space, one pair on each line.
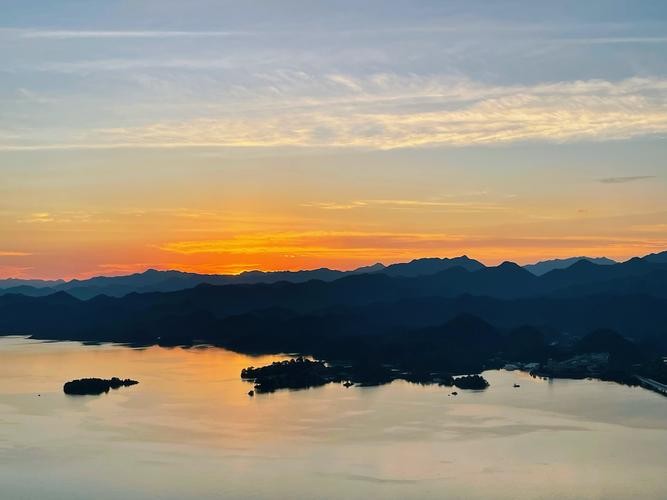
[190,430]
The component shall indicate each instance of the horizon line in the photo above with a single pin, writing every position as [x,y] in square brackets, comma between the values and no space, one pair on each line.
[269,271]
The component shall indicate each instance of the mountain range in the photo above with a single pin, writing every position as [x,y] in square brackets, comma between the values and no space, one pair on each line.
[545,266]
[629,297]
[423,318]
[168,281]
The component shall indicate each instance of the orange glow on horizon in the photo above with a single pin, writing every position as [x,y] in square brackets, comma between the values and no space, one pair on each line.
[278,225]
[345,251]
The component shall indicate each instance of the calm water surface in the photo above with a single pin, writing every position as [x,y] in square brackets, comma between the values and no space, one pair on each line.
[190,431]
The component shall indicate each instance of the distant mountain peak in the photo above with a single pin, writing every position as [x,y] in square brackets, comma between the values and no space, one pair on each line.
[545,266]
[656,258]
[583,264]
[509,265]
[431,265]
[378,266]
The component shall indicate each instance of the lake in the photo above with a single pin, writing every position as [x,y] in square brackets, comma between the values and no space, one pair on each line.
[189,430]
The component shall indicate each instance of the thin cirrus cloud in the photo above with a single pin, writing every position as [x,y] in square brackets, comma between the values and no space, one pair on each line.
[38,218]
[450,26]
[320,243]
[626,179]
[364,245]
[9,253]
[78,34]
[449,206]
[613,40]
[123,64]
[390,111]
[62,217]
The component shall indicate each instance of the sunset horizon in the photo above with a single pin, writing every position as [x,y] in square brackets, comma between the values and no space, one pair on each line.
[277,140]
[318,249]
[212,269]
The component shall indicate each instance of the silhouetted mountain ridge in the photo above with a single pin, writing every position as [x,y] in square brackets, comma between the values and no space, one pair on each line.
[426,316]
[423,267]
[582,273]
[153,280]
[545,266]
[658,258]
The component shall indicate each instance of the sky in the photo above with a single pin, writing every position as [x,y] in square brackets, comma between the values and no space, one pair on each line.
[219,136]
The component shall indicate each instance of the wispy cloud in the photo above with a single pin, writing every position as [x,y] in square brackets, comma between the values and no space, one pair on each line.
[625,179]
[77,34]
[390,245]
[63,217]
[614,40]
[398,204]
[124,64]
[38,218]
[389,111]
[320,243]
[8,253]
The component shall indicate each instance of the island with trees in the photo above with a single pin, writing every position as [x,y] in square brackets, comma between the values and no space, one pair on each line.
[95,386]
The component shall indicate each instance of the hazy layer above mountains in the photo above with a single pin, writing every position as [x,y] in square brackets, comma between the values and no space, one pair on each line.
[169,281]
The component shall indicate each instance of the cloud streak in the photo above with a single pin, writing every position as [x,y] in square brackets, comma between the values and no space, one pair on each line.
[82,34]
[626,179]
[389,111]
[7,253]
[319,243]
[389,245]
[398,204]
[611,40]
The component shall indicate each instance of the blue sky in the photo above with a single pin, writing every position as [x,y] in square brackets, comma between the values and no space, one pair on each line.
[497,125]
[177,72]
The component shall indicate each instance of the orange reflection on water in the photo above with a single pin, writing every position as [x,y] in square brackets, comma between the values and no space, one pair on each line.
[192,371]
[189,430]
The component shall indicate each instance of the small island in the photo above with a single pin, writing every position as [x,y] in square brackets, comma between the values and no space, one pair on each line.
[302,373]
[95,386]
[473,382]
[298,373]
